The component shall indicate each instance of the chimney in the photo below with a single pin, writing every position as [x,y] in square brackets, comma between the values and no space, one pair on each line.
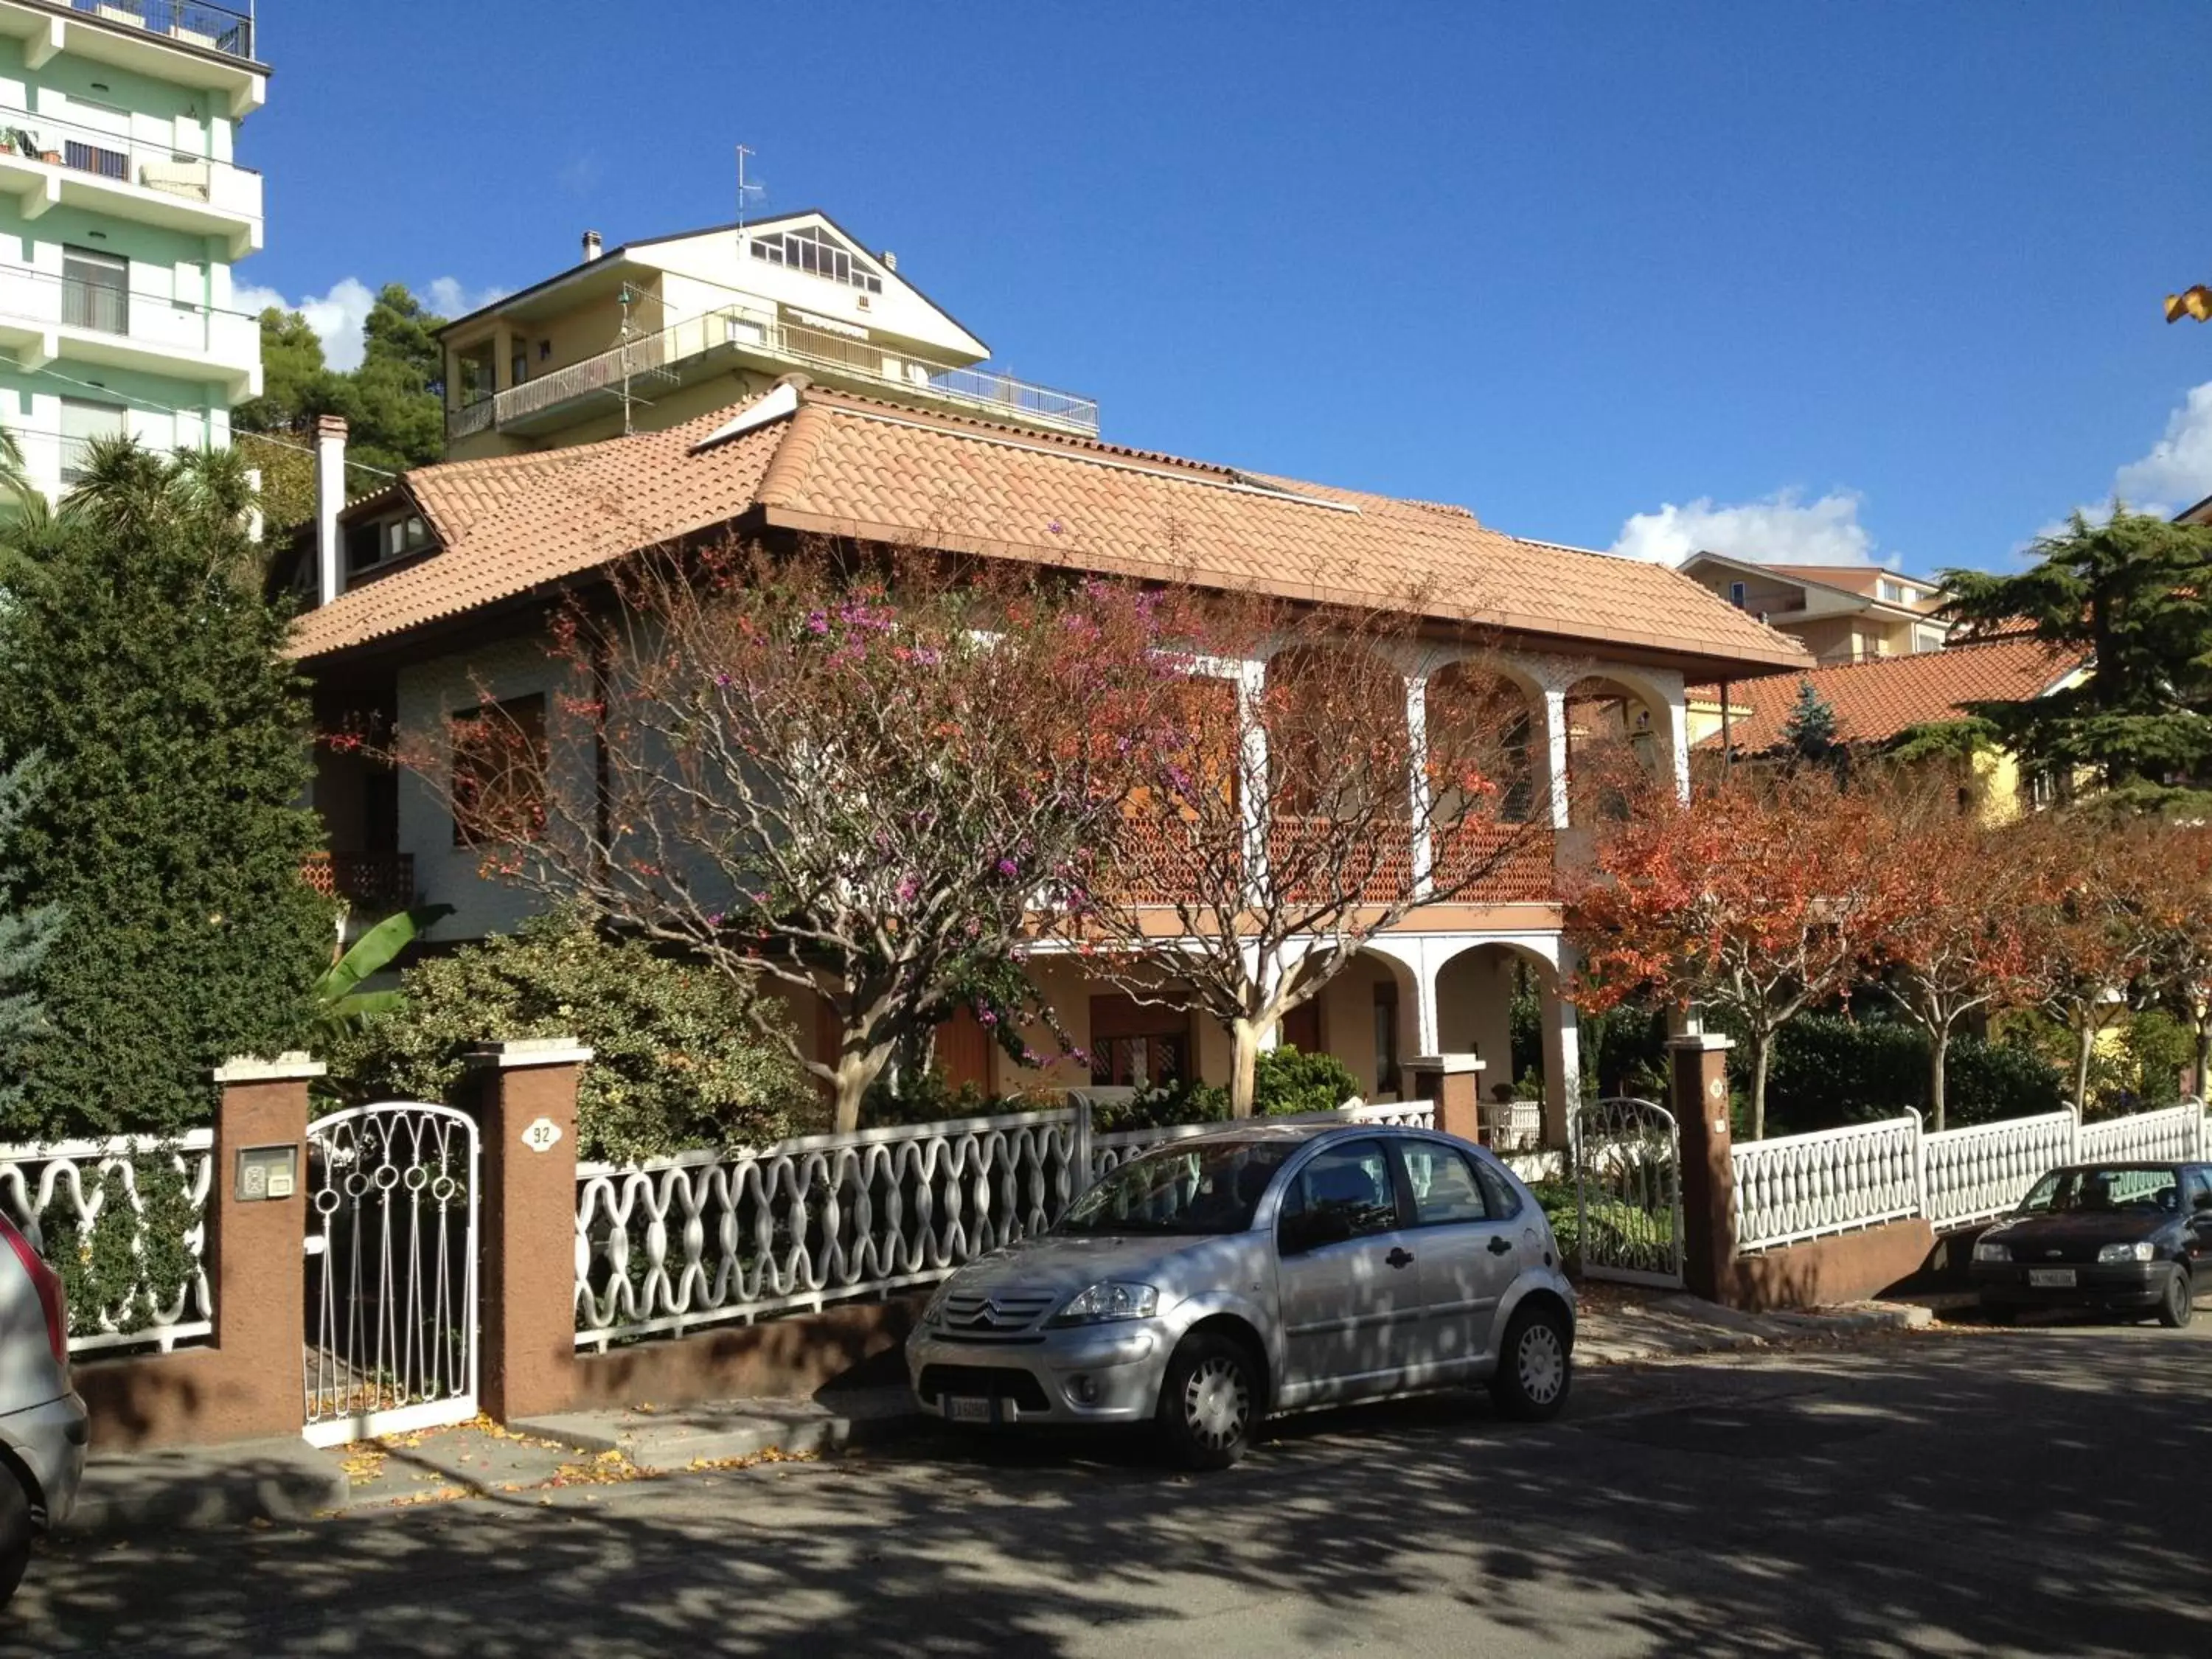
[890,260]
[590,245]
[329,498]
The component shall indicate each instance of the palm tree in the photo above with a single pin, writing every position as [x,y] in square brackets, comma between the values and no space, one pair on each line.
[209,491]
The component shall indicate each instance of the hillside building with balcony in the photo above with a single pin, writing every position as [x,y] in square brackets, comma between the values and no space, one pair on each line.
[122,208]
[655,333]
[1842,613]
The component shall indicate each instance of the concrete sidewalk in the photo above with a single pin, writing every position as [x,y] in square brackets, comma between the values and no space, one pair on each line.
[288,1480]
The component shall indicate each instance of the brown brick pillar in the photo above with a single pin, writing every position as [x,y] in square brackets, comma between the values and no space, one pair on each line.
[1701,1109]
[528,1116]
[1453,1083]
[254,1251]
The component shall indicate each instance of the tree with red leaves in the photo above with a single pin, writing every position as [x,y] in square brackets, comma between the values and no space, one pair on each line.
[1753,899]
[1952,939]
[870,777]
[1307,804]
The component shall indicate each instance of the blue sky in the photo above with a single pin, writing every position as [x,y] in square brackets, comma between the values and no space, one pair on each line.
[1865,280]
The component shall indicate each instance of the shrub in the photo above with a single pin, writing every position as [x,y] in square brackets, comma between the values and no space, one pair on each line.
[1287,1081]
[170,830]
[677,1064]
[1829,1071]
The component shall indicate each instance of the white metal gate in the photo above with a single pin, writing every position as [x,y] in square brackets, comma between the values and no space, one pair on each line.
[392,1271]
[1628,1192]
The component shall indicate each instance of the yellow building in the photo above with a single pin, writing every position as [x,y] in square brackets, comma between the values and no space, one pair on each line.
[1840,613]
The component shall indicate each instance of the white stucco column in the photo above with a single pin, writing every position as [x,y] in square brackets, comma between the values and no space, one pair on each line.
[1417,782]
[1252,771]
[1563,1065]
[1555,750]
[1678,739]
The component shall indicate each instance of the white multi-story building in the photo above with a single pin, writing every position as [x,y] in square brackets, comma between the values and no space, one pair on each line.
[121,212]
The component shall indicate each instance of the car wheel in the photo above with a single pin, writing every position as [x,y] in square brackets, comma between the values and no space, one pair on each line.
[1209,1400]
[1997,1313]
[15,1533]
[1535,1366]
[2179,1306]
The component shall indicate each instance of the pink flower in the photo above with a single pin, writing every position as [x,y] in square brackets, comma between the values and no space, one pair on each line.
[1008,868]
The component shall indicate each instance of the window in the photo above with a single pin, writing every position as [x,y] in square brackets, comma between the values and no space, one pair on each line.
[1445,1190]
[518,365]
[368,545]
[1388,1076]
[96,290]
[1132,1045]
[1927,638]
[818,254]
[1736,594]
[1346,1192]
[82,421]
[2199,1194]
[1497,1192]
[499,761]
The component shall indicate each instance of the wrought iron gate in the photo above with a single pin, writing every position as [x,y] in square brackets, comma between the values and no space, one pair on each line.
[391,1272]
[1628,1192]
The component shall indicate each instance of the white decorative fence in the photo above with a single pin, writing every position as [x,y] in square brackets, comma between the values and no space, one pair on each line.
[711,1238]
[1800,1186]
[85,1199]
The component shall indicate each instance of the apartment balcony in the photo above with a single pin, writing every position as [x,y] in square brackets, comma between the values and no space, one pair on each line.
[45,318]
[381,883]
[708,344]
[190,42]
[48,163]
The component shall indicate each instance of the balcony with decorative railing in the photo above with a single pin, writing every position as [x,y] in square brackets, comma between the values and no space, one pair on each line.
[1485,862]
[697,346]
[225,29]
[381,883]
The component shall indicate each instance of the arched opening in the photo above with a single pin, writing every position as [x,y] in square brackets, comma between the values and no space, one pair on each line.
[1482,723]
[1501,1002]
[1338,743]
[1368,1017]
[1619,740]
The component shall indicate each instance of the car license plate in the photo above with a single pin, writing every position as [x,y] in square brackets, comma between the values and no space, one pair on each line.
[964,1410]
[2051,1279]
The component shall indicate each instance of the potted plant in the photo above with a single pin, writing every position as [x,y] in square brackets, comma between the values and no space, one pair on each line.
[20,139]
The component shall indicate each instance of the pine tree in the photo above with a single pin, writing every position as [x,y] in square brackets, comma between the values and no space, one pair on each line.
[170,833]
[2134,596]
[1810,730]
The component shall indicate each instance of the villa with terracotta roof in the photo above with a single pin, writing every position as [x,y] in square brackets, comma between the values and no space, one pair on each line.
[437,589]
[1878,701]
[1840,613]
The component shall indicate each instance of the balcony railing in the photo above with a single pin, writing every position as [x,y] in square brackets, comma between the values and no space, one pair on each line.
[380,881]
[225,29]
[743,328]
[126,159]
[1509,863]
[161,327]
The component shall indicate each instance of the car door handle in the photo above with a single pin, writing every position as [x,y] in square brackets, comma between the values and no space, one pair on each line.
[1400,1257]
[1499,1244]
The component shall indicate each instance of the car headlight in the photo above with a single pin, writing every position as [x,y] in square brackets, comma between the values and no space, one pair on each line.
[2141,1250]
[1984,1251]
[1108,1300]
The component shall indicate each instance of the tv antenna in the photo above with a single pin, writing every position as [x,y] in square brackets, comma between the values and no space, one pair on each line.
[746,188]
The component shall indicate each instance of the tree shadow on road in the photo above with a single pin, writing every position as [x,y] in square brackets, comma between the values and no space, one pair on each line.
[1941,1492]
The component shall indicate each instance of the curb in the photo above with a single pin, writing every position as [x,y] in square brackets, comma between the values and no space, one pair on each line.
[210,1486]
[732,1431]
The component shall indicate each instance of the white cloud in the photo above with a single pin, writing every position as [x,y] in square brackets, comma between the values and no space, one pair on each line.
[2178,471]
[337,316]
[1778,529]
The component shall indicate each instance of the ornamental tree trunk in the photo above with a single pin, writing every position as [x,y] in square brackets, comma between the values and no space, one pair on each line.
[1939,1049]
[2085,1044]
[1762,1050]
[2204,1025]
[1244,1047]
[856,1069]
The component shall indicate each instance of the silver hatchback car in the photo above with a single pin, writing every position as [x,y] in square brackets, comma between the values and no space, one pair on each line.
[1259,1269]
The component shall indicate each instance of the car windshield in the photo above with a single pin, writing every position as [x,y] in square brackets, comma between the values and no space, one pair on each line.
[1207,1187]
[2136,1191]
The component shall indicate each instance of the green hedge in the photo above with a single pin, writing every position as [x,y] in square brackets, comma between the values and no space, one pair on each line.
[1828,1071]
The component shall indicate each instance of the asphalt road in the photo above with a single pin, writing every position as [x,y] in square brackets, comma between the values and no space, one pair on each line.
[2045,1492]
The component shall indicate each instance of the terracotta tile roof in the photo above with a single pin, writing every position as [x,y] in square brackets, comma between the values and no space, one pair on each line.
[1876,701]
[850,465]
